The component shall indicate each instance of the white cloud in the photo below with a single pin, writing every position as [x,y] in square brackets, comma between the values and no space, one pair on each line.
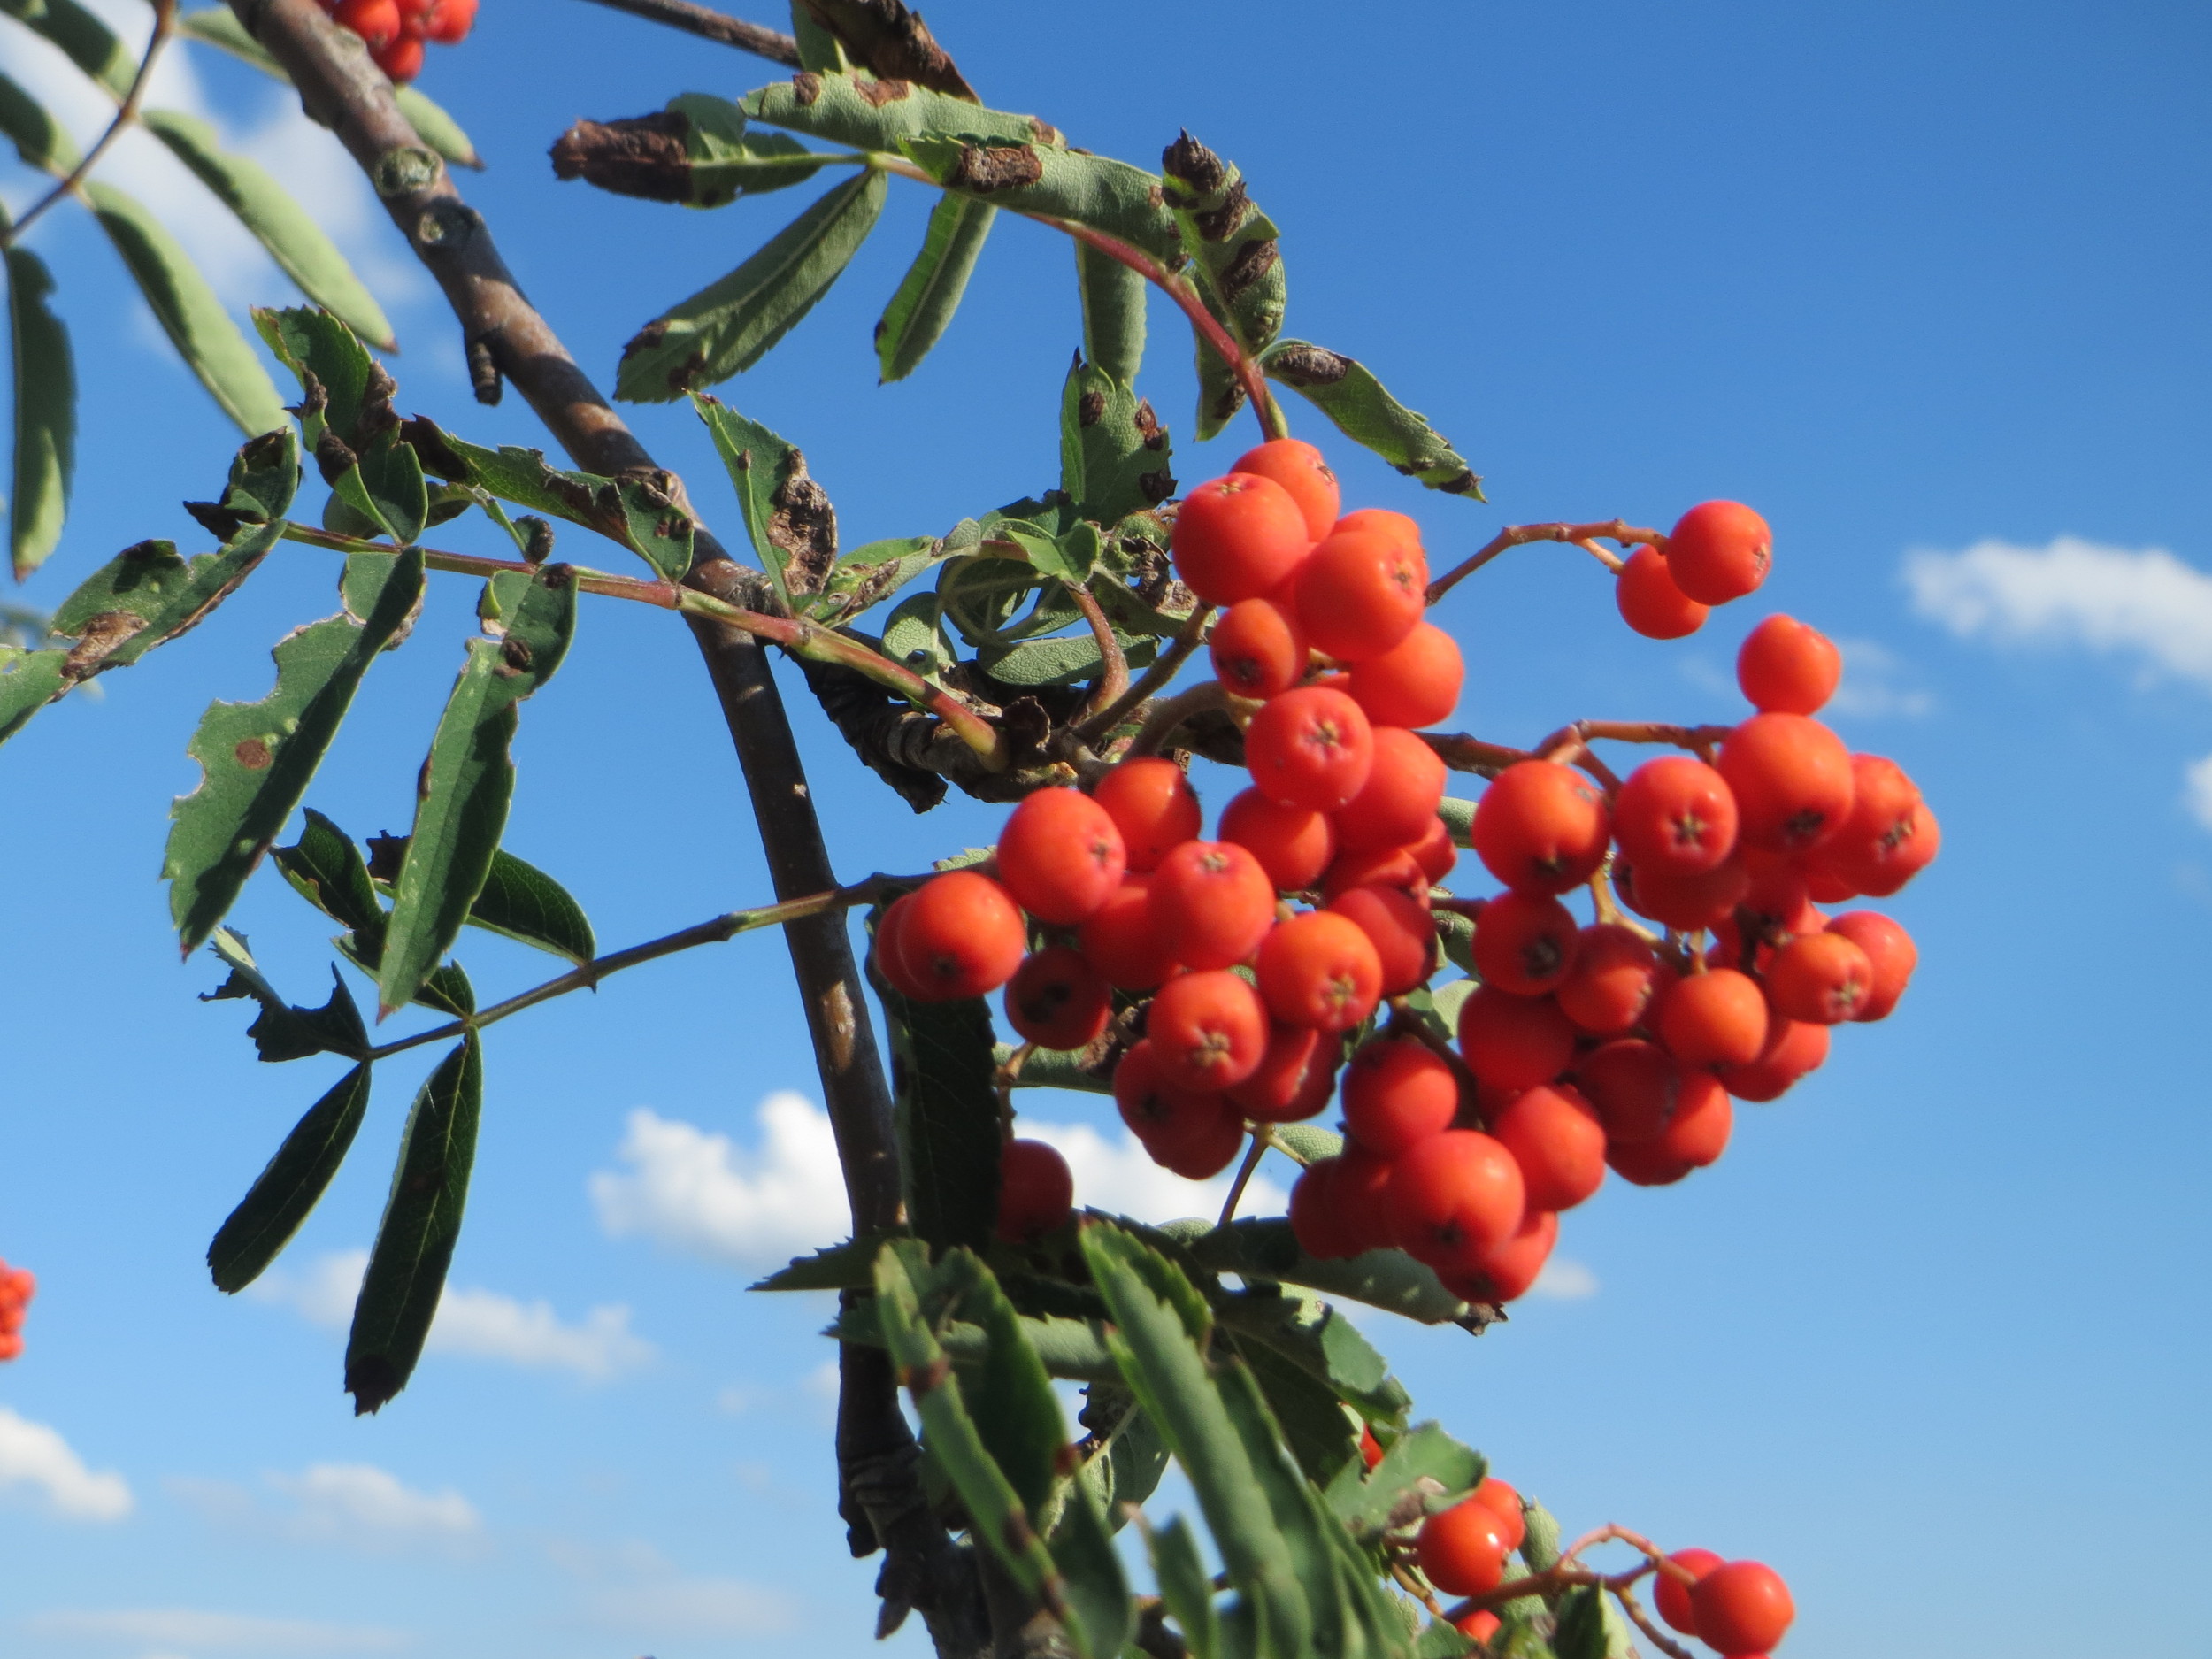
[2199,791]
[1876,684]
[698,1192]
[352,1500]
[633,1587]
[480,1324]
[2143,601]
[197,1630]
[33,1455]
[1565,1280]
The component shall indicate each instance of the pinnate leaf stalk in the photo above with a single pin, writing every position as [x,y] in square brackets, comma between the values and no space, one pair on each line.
[165,25]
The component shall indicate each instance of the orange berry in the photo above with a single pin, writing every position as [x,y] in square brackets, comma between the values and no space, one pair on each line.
[1479,1625]
[889,965]
[1400,930]
[1036,1190]
[1360,593]
[1394,867]
[1793,1049]
[1508,1270]
[1436,852]
[1454,1198]
[1505,1503]
[1524,942]
[1634,1085]
[1208,1030]
[1514,1042]
[1153,806]
[1822,979]
[1212,904]
[375,21]
[450,20]
[1057,1000]
[1176,1123]
[401,59]
[1673,1595]
[1717,1017]
[1554,1136]
[1316,1220]
[1060,855]
[1398,803]
[1397,1093]
[1463,1551]
[1320,970]
[1541,827]
[1304,476]
[1237,537]
[1295,1078]
[1785,666]
[1719,550]
[1889,838]
[1791,777]
[1292,843]
[961,935]
[1380,521]
[1258,648]
[1675,817]
[1741,1607]
[1649,600]
[1120,940]
[1645,1163]
[1312,747]
[1684,901]
[1697,1131]
[1890,952]
[1615,980]
[1414,683]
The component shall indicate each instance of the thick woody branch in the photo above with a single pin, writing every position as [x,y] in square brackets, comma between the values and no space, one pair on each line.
[774,44]
[342,90]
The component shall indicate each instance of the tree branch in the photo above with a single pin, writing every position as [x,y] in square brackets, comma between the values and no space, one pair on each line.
[762,42]
[165,21]
[339,89]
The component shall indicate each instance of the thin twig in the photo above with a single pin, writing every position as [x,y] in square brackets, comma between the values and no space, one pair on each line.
[1579,535]
[165,18]
[1263,1138]
[1113,674]
[1658,1638]
[1168,714]
[762,42]
[1189,638]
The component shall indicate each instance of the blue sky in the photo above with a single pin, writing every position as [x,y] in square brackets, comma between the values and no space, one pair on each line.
[1924,283]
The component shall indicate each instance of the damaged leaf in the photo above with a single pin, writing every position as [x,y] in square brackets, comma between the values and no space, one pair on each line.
[286,1191]
[929,294]
[788,517]
[1343,389]
[285,1031]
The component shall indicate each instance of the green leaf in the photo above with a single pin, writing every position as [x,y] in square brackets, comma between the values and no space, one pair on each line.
[1129,1470]
[219,27]
[1539,1543]
[1114,452]
[294,239]
[435,127]
[468,780]
[344,390]
[1058,662]
[983,593]
[727,327]
[258,758]
[723,161]
[1054,182]
[914,637]
[1312,1421]
[1382,1278]
[1017,1413]
[1321,1341]
[188,312]
[284,1192]
[1343,389]
[1045,1069]
[1096,1585]
[1443,1641]
[788,517]
[1233,246]
[265,475]
[89,42]
[146,596]
[1114,298]
[1071,1349]
[285,1031]
[1184,1585]
[39,139]
[1588,1627]
[1309,1142]
[523,903]
[871,574]
[864,113]
[847,1266]
[28,681]
[930,292]
[422,1221]
[325,868]
[947,1113]
[1221,394]
[1393,1493]
[45,413]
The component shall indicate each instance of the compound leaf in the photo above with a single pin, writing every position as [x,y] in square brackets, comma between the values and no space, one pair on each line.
[284,1192]
[40,140]
[87,43]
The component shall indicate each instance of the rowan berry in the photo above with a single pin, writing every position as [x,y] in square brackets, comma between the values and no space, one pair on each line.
[401,60]
[1436,852]
[1302,474]
[1785,666]
[1774,908]
[1208,1029]
[1791,779]
[1057,1000]
[1505,1273]
[1479,1625]
[1394,867]
[1890,952]
[1741,1607]
[1463,1551]
[1454,1198]
[450,20]
[1061,855]
[1153,806]
[1793,1049]
[1311,746]
[1360,593]
[1717,1017]
[1185,1130]
[1615,980]
[1633,1084]
[962,936]
[1361,1191]
[1120,940]
[1645,1163]
[1890,837]
[1684,901]
[1320,969]
[1316,1220]
[1398,803]
[1822,979]
[1541,827]
[1258,648]
[1524,942]
[375,21]
[890,966]
[1292,843]
[1036,1191]
[1514,1042]
[11,1346]
[1370,1451]
[1212,904]
[1200,1146]
[1237,536]
[1505,1503]
[1675,817]
[1555,1135]
[1719,550]
[1673,1595]
[1400,930]
[1414,683]
[1380,521]
[1398,1092]
[1295,1078]
[1697,1130]
[1649,600]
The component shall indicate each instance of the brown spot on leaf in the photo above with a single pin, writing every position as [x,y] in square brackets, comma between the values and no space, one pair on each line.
[439,458]
[386,853]
[1466,483]
[807,85]
[1230,400]
[1189,161]
[515,655]
[1156,487]
[680,377]
[101,634]
[876,94]
[1045,133]
[642,155]
[314,395]
[1253,262]
[1220,223]
[220,522]
[646,338]
[1017,1533]
[264,452]
[1309,365]
[557,577]
[802,526]
[1148,428]
[334,455]
[1090,408]
[987,167]
[377,416]
[252,754]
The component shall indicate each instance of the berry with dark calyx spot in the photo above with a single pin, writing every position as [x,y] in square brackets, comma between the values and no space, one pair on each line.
[1302,474]
[1312,747]
[1153,806]
[1208,1029]
[1514,1042]
[1889,838]
[1212,904]
[1697,1130]
[1398,803]
[1454,1198]
[1360,593]
[1057,1000]
[1398,1092]
[1719,550]
[1237,537]
[1616,978]
[1741,1607]
[962,936]
[1320,969]
[1793,1049]
[1791,777]
[1649,600]
[1890,952]
[1060,855]
[1258,648]
[1120,939]
[1036,1191]
[1414,683]
[1822,979]
[1717,1017]
[1787,667]
[1674,817]
[1554,1136]
[1541,827]
[1400,930]
[1292,843]
[1185,1130]
[1673,1595]
[1524,942]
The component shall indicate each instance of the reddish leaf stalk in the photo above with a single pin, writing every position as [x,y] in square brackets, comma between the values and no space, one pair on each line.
[1582,535]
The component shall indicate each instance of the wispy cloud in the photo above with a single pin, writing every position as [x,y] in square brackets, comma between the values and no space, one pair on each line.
[1565,1280]
[2199,777]
[354,1505]
[479,1324]
[36,1456]
[197,1630]
[637,1591]
[1876,683]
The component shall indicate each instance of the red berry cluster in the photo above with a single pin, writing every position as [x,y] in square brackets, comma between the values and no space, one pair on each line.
[1717,551]
[1582,1045]
[1741,1608]
[395,30]
[17,1287]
